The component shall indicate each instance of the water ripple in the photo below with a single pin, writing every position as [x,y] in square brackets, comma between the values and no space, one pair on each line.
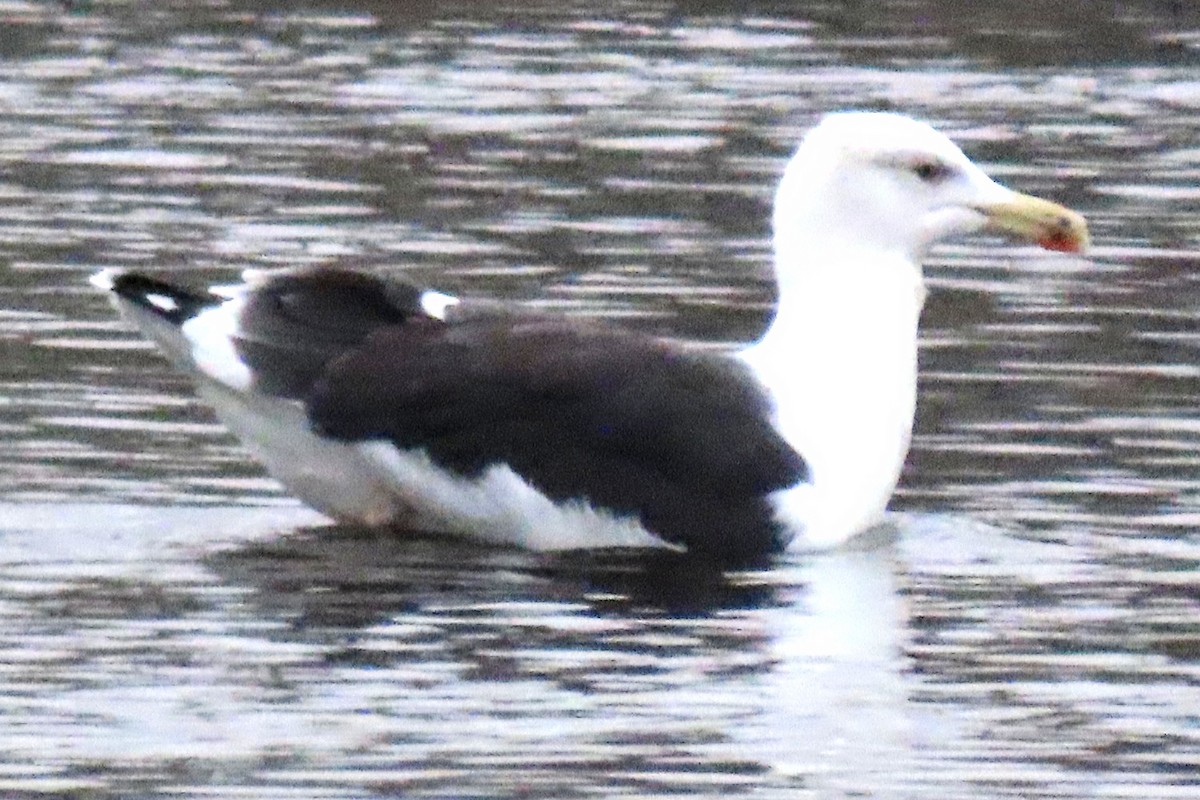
[172,623]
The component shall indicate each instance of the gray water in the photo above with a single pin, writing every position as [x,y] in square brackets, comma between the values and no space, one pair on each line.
[172,624]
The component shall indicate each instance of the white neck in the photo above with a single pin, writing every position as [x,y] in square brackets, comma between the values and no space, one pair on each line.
[840,364]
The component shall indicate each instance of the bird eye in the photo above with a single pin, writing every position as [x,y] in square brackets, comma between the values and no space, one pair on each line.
[931,171]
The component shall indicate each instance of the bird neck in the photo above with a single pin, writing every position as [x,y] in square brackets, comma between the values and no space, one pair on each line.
[839,363]
[865,293]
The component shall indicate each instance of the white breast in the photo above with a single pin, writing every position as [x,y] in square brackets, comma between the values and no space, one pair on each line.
[842,375]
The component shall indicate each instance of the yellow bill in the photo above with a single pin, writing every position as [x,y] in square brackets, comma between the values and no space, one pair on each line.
[1050,225]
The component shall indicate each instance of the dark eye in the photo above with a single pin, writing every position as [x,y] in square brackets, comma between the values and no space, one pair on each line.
[931,171]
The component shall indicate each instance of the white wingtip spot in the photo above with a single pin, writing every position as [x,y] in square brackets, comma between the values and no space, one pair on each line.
[162,302]
[435,303]
[105,279]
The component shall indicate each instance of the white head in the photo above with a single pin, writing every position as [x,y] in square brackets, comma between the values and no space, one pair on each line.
[859,205]
[891,184]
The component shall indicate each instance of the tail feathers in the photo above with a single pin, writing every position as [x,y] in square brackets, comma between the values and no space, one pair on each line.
[279,331]
[172,303]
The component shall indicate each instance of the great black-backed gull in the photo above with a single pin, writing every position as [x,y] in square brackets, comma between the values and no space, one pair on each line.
[381,403]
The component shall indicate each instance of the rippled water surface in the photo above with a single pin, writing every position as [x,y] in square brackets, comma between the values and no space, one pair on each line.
[173,624]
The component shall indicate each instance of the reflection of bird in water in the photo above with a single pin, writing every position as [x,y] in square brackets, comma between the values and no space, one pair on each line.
[837,642]
[343,577]
[377,402]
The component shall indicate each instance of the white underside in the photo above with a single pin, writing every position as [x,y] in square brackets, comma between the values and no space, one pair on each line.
[376,484]
[498,506]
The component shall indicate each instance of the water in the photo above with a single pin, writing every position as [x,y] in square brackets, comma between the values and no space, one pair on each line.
[172,624]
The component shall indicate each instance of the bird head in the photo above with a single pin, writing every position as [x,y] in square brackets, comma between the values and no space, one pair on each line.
[890,183]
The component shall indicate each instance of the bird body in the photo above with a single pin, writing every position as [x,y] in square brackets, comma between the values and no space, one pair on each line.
[381,403]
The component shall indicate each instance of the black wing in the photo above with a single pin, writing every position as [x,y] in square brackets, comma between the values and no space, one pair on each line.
[579,410]
[294,322]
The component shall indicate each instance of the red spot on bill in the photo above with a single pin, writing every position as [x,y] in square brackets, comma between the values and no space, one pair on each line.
[1061,242]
